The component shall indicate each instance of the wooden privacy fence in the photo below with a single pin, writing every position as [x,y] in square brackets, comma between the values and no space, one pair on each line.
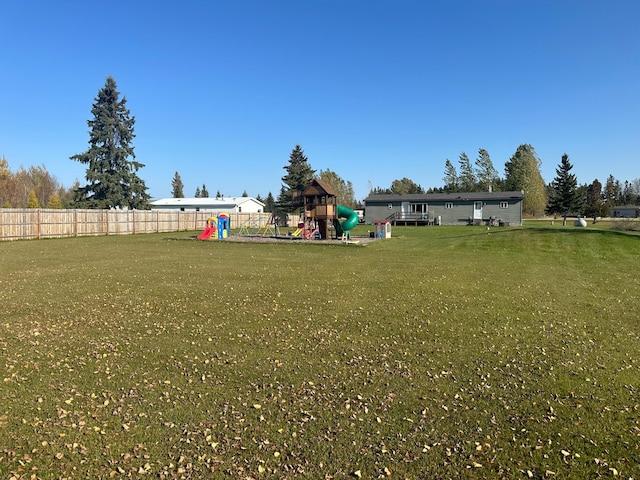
[35,223]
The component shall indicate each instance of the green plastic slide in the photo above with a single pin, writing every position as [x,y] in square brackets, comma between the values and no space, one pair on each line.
[350,222]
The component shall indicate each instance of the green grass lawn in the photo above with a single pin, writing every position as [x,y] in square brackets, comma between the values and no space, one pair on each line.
[444,352]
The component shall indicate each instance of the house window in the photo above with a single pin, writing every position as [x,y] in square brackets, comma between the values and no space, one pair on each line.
[504,204]
[419,208]
[182,209]
[390,206]
[448,204]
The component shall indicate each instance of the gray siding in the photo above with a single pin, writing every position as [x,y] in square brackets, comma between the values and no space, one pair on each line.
[501,206]
[376,212]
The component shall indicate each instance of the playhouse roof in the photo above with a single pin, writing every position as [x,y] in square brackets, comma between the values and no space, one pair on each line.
[318,187]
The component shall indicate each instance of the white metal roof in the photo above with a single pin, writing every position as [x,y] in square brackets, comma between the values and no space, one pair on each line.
[204,202]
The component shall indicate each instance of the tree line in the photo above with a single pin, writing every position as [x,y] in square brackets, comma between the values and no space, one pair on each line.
[299,174]
[32,187]
[112,179]
[562,196]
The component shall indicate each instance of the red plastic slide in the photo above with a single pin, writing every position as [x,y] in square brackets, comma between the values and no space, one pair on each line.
[206,235]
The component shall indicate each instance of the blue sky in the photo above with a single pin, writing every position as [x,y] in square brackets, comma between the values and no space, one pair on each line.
[374,90]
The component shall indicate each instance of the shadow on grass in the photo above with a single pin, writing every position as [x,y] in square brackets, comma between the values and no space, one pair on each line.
[586,231]
[550,230]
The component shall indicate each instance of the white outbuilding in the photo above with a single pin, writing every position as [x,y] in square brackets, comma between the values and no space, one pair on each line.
[200,204]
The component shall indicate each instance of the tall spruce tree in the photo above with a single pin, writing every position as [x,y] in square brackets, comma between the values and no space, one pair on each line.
[467,178]
[177,187]
[611,192]
[487,175]
[112,179]
[269,203]
[299,176]
[595,205]
[564,198]
[451,183]
[522,172]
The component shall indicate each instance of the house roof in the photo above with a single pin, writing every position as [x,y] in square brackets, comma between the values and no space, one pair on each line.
[204,202]
[444,197]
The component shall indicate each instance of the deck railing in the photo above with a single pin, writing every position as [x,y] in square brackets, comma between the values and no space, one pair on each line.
[404,217]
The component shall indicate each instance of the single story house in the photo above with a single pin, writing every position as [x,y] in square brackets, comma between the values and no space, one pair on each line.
[201,204]
[468,208]
[626,211]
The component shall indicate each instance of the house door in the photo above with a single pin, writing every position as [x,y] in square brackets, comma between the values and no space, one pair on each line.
[477,211]
[405,209]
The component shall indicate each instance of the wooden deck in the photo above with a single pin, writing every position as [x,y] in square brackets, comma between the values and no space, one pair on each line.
[405,219]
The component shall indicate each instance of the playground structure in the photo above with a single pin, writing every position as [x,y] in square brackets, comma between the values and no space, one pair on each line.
[306,231]
[320,214]
[220,224]
[321,210]
[255,224]
[351,220]
[271,228]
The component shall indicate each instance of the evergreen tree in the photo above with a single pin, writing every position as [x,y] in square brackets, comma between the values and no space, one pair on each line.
[487,175]
[522,172]
[269,203]
[177,187]
[610,192]
[619,196]
[245,194]
[198,194]
[451,183]
[594,202]
[467,178]
[564,198]
[299,176]
[628,196]
[112,179]
[32,201]
[204,193]
[54,202]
